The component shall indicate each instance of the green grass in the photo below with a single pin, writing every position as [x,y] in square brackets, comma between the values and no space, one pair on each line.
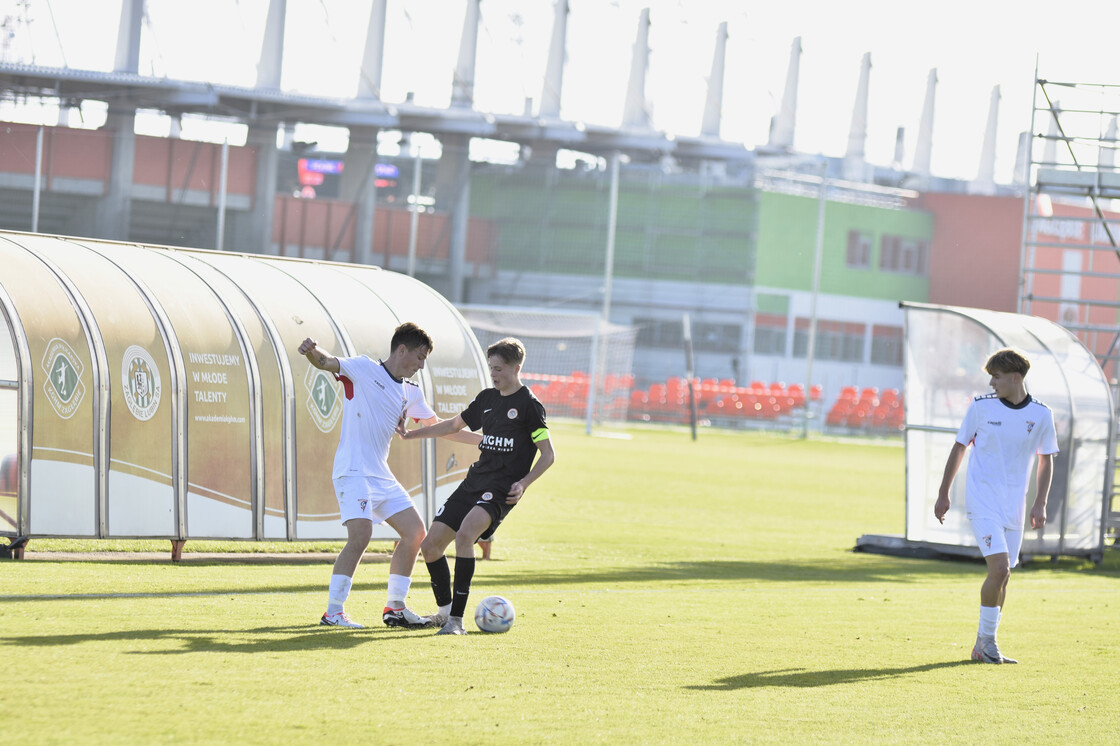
[668,591]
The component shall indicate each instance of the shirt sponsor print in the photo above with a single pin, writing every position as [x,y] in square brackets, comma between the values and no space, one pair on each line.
[141,381]
[63,387]
[324,403]
[497,443]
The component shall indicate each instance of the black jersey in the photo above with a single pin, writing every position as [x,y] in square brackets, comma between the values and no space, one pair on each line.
[511,427]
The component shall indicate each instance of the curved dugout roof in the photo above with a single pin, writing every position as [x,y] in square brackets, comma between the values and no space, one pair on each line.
[946,348]
[157,392]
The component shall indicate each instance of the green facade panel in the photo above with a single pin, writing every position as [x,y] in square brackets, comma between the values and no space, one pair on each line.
[787,236]
[552,220]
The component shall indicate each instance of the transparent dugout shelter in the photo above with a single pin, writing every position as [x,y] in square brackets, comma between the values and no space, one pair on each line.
[945,351]
[151,392]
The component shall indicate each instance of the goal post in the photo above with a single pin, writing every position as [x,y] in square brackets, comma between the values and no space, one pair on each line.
[577,364]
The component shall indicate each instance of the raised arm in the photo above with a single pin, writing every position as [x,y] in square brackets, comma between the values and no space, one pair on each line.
[952,466]
[318,357]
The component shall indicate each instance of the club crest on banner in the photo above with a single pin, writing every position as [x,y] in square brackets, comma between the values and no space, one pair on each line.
[141,381]
[324,402]
[63,387]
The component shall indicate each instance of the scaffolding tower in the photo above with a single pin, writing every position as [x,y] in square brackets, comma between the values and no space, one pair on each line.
[1071,227]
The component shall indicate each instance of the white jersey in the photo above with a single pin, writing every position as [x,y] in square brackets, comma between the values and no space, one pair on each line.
[375,402]
[1005,440]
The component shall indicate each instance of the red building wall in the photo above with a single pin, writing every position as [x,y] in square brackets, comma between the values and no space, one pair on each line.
[168,163]
[976,249]
[976,260]
[300,224]
[67,153]
[1061,234]
[196,166]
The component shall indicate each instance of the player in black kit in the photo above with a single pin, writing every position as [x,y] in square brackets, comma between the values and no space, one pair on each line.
[513,432]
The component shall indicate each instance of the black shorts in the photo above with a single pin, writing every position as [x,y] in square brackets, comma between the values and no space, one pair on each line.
[462,500]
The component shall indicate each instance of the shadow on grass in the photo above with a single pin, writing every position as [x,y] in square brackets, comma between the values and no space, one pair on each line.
[800,677]
[777,571]
[875,569]
[259,640]
[821,573]
[1108,568]
[277,589]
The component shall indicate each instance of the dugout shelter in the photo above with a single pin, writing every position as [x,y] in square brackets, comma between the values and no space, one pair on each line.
[945,351]
[154,392]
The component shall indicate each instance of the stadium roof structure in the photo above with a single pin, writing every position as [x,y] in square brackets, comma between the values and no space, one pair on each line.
[267,106]
[945,349]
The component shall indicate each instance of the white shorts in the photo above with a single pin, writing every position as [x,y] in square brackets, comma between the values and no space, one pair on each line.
[993,538]
[372,498]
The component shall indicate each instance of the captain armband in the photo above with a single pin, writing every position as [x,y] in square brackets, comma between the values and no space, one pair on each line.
[539,435]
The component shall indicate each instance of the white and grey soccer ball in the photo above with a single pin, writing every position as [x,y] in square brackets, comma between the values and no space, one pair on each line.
[494,614]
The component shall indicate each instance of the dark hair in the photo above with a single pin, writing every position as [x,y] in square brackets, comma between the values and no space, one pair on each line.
[509,349]
[411,336]
[1008,360]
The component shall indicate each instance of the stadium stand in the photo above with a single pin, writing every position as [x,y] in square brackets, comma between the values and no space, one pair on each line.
[723,402]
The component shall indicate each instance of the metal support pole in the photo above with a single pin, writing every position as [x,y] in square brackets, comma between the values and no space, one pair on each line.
[223,183]
[35,196]
[608,279]
[1022,304]
[596,356]
[689,367]
[414,219]
[818,254]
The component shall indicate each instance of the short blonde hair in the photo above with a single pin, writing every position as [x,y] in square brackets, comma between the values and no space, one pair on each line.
[1008,360]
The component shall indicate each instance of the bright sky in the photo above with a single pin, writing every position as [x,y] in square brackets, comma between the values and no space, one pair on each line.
[974,44]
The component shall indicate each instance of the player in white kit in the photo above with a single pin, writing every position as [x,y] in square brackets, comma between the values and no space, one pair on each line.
[379,396]
[1007,431]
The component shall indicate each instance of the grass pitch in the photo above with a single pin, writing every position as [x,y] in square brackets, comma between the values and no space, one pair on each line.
[668,591]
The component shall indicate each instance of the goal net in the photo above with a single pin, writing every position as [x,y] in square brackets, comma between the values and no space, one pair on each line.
[577,364]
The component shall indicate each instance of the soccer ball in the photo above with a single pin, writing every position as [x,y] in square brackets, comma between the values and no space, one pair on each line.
[494,614]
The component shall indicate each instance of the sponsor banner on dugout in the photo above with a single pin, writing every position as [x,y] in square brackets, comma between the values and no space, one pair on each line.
[295,314]
[168,399]
[63,490]
[216,422]
[140,498]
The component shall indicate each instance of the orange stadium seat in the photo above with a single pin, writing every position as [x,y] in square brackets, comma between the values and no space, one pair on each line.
[796,394]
